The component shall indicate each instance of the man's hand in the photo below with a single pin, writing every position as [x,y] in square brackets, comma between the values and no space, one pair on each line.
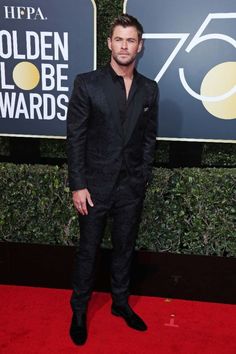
[80,199]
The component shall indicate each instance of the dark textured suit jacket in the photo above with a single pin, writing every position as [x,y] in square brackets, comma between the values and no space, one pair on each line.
[97,144]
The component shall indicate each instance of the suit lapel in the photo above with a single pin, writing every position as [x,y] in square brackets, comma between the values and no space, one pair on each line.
[135,108]
[108,89]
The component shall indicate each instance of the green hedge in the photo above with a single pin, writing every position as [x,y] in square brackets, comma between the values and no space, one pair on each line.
[218,154]
[189,211]
[213,155]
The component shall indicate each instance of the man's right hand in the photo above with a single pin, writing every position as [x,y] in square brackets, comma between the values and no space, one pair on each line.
[80,199]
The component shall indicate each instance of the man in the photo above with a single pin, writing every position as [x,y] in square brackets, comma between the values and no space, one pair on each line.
[111,141]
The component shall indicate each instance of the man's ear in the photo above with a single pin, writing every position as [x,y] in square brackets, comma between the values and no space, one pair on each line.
[109,42]
[140,46]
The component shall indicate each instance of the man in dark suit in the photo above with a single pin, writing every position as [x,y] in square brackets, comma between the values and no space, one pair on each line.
[111,136]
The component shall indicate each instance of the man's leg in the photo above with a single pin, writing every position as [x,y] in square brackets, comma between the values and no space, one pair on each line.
[126,212]
[126,219]
[91,231]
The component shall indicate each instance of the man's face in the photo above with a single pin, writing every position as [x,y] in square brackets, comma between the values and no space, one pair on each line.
[124,45]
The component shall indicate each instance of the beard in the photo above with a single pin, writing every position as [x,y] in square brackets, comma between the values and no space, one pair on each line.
[125,61]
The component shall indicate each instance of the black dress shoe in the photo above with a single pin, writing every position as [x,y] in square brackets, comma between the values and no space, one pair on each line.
[130,317]
[78,328]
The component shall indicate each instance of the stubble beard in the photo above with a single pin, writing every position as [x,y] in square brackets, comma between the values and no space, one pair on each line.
[124,63]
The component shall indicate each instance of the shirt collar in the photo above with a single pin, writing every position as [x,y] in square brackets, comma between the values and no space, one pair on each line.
[115,76]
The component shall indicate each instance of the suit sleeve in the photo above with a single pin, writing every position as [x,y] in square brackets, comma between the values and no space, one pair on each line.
[150,135]
[77,123]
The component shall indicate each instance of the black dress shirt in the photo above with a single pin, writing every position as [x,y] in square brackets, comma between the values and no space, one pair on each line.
[123,105]
[120,93]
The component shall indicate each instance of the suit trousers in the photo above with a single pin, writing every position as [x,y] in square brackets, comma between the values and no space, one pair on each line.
[125,208]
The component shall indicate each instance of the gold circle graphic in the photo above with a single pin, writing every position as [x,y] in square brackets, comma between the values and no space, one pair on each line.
[218,81]
[26,75]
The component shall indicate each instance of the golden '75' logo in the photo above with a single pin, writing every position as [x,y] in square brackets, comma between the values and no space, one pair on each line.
[219,103]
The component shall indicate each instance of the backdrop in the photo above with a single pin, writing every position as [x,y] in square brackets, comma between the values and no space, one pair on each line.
[190,50]
[43,45]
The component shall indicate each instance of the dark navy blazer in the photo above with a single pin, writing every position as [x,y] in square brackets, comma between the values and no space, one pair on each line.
[96,143]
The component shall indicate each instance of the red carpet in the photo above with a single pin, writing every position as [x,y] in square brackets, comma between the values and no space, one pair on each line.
[36,320]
